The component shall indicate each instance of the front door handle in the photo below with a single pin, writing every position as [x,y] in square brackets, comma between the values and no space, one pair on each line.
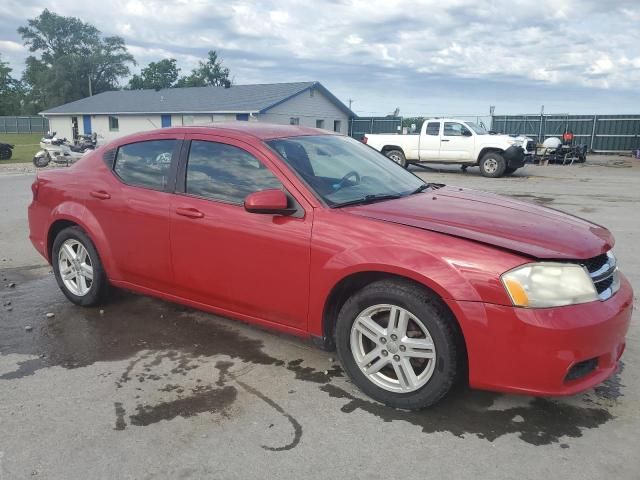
[189,212]
[100,195]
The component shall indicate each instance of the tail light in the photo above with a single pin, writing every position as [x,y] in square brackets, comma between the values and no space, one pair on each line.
[364,139]
[35,187]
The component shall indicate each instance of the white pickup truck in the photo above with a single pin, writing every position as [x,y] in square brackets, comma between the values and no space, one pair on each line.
[447,140]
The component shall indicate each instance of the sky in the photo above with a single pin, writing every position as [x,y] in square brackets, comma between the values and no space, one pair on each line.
[432,57]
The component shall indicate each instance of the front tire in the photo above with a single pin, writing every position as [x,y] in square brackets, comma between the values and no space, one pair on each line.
[398,343]
[42,161]
[493,165]
[77,267]
[398,157]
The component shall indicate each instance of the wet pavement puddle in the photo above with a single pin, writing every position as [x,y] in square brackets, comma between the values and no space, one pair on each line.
[183,363]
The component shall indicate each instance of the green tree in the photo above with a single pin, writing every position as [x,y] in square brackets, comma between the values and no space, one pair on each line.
[156,75]
[11,92]
[72,60]
[211,72]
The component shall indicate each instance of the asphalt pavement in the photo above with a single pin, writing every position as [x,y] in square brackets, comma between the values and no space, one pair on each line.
[144,389]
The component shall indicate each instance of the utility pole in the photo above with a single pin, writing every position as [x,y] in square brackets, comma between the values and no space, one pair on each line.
[90,94]
[350,102]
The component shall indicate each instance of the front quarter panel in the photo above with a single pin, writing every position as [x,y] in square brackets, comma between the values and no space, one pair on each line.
[454,268]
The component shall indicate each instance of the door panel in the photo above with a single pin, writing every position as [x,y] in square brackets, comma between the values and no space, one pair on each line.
[430,142]
[135,220]
[454,146]
[223,256]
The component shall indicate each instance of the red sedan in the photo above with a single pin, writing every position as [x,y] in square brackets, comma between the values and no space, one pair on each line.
[416,285]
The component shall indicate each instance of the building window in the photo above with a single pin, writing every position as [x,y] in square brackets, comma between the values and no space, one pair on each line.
[187,119]
[319,123]
[243,117]
[337,125]
[294,121]
[114,125]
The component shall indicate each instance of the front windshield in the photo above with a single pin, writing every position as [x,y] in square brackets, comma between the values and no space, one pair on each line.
[341,170]
[477,128]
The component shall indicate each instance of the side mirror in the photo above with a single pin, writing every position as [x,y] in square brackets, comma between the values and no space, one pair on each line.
[466,133]
[273,201]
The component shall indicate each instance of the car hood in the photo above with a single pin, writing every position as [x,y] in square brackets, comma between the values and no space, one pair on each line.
[515,225]
[499,138]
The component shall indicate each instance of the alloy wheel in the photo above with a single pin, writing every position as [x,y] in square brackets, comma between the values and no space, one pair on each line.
[490,165]
[396,158]
[75,267]
[393,348]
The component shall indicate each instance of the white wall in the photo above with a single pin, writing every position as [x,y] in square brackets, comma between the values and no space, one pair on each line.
[127,124]
[308,108]
[62,126]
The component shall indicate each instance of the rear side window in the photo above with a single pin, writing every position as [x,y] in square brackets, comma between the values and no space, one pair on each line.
[226,173]
[145,164]
[433,128]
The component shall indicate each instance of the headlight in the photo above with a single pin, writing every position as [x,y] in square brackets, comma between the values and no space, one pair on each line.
[542,285]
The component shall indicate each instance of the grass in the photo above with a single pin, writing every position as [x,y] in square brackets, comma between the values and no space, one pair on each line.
[26,145]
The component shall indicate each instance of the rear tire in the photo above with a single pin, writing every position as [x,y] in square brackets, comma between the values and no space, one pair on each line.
[427,320]
[398,157]
[493,165]
[73,253]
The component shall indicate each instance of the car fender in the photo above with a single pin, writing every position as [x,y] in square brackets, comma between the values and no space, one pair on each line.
[77,213]
[434,273]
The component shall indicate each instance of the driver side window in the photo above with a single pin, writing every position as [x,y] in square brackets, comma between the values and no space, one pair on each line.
[453,129]
[226,173]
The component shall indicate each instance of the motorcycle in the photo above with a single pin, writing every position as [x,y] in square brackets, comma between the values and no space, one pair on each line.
[6,151]
[61,151]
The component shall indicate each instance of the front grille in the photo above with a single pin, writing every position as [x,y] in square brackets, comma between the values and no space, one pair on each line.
[595,263]
[603,272]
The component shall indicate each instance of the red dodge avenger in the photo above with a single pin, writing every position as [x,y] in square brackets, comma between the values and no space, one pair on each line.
[417,285]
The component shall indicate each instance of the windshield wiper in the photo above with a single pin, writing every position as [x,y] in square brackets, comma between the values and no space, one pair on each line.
[368,199]
[421,188]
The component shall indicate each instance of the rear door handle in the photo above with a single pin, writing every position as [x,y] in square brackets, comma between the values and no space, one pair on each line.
[443,140]
[189,212]
[100,194]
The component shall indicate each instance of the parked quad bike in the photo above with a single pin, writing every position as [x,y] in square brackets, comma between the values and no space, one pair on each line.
[6,151]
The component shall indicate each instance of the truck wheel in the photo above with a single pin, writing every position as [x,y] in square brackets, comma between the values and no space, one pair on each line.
[398,157]
[493,165]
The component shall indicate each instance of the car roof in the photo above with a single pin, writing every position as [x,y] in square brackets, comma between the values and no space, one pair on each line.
[260,130]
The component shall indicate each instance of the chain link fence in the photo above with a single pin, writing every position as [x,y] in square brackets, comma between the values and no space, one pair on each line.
[33,124]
